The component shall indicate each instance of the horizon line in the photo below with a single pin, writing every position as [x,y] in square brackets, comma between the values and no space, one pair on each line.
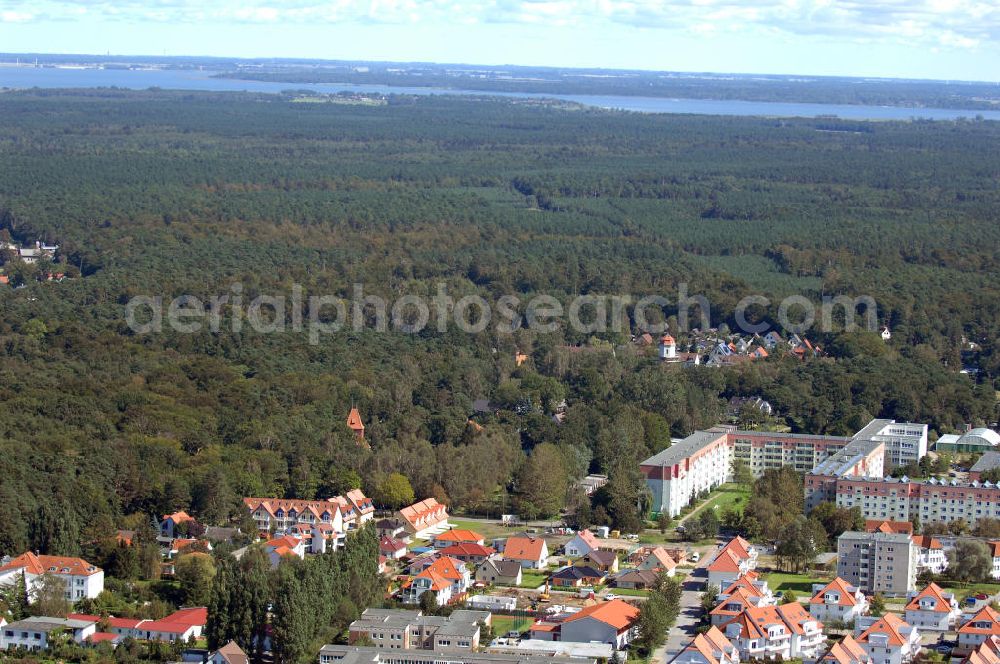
[693,73]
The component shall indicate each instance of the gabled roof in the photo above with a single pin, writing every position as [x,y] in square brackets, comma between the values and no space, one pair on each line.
[663,559]
[995,548]
[37,565]
[796,616]
[232,654]
[524,548]
[926,542]
[468,549]
[446,568]
[846,651]
[616,613]
[726,561]
[891,625]
[576,572]
[754,620]
[644,576]
[710,644]
[588,538]
[839,586]
[459,535]
[602,557]
[883,526]
[740,597]
[986,614]
[178,622]
[390,544]
[746,583]
[933,591]
[178,517]
[509,568]
[987,652]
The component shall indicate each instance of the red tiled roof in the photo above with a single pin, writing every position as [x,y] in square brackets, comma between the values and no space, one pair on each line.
[100,637]
[468,549]
[986,614]
[926,542]
[616,613]
[459,535]
[846,651]
[354,421]
[883,526]
[179,621]
[840,586]
[37,565]
[726,561]
[178,517]
[934,592]
[523,548]
[890,625]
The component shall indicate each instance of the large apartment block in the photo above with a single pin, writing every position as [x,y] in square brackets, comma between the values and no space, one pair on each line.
[878,562]
[703,460]
[399,629]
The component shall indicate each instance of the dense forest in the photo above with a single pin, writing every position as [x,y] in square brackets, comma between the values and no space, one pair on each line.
[160,193]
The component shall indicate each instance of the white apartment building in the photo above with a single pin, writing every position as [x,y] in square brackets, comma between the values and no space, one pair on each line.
[878,562]
[930,554]
[888,640]
[83,580]
[770,632]
[700,462]
[933,609]
[33,633]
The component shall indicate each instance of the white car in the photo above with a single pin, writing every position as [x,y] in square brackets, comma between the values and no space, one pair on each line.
[610,596]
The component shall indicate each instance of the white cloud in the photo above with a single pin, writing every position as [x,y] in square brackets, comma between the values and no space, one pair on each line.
[956,24]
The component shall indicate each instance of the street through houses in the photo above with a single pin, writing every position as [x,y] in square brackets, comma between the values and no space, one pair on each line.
[690,615]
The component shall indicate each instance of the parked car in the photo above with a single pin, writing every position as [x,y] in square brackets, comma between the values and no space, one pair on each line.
[610,596]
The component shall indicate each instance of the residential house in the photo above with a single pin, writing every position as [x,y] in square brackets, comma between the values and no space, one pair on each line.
[179,626]
[770,632]
[422,562]
[82,579]
[582,543]
[887,640]
[576,576]
[530,552]
[446,577]
[933,609]
[469,552]
[362,504]
[499,572]
[846,651]
[712,647]
[391,528]
[391,548]
[608,622]
[636,579]
[230,653]
[733,603]
[458,536]
[170,523]
[980,627]
[606,561]
[987,652]
[424,519]
[725,568]
[278,515]
[282,547]
[837,602]
[33,633]
[318,537]
[658,560]
[930,554]
[994,548]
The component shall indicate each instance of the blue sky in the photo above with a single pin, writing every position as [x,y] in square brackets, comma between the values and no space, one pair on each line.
[943,39]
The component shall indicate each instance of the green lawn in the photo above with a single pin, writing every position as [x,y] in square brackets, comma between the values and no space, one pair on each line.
[727,496]
[629,591]
[504,624]
[487,530]
[801,584]
[532,579]
[963,590]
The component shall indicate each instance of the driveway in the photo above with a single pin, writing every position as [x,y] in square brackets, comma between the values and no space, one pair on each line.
[684,629]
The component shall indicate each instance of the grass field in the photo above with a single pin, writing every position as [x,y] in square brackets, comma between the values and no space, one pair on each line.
[801,584]
[963,590]
[504,624]
[532,579]
[727,496]
[629,591]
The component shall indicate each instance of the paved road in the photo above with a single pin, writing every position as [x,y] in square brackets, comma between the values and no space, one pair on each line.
[684,629]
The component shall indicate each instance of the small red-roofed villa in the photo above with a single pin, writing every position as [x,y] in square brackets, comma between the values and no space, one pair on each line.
[887,640]
[933,609]
[837,601]
[82,579]
[980,627]
[712,647]
[846,651]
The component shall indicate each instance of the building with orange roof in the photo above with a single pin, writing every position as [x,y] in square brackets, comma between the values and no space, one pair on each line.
[981,626]
[469,552]
[987,652]
[884,526]
[607,622]
[712,647]
[286,546]
[837,601]
[458,536]
[659,559]
[362,504]
[447,578]
[582,543]
[930,554]
[231,653]
[170,523]
[737,557]
[277,516]
[933,609]
[770,632]
[528,551]
[181,625]
[83,580]
[424,519]
[888,639]
[735,602]
[391,548]
[355,424]
[846,651]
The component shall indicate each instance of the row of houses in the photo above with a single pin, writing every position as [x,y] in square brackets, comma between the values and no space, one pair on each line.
[33,633]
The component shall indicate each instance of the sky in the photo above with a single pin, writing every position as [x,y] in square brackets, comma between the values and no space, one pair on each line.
[938,39]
